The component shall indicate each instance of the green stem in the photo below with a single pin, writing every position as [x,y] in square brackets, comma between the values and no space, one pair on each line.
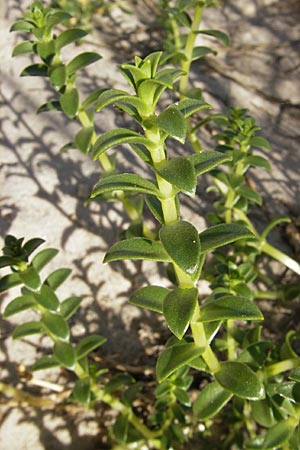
[282,366]
[231,347]
[281,257]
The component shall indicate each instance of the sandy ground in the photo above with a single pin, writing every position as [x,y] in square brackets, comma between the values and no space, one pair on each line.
[43,191]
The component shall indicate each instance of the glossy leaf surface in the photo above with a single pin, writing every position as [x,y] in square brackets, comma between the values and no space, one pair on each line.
[47,298]
[210,401]
[19,304]
[230,307]
[65,354]
[150,297]
[279,434]
[125,182]
[178,308]
[117,137]
[69,36]
[43,258]
[222,234]
[137,248]
[30,278]
[27,329]
[81,61]
[56,325]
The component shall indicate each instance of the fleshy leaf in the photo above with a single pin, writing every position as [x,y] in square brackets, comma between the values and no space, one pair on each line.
[43,258]
[200,52]
[82,391]
[172,121]
[230,307]
[44,363]
[56,325]
[174,357]
[222,234]
[116,137]
[210,401]
[125,182]
[24,48]
[279,434]
[182,244]
[178,308]
[150,297]
[180,173]
[189,106]
[69,36]
[240,380]
[27,329]
[81,61]
[30,278]
[88,344]
[58,76]
[35,70]
[69,306]
[47,298]
[259,142]
[217,34]
[9,281]
[65,354]
[83,139]
[69,102]
[206,161]
[56,278]
[19,304]
[263,413]
[137,249]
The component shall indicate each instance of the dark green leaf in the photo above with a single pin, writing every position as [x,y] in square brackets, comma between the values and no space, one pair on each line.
[240,380]
[88,344]
[263,413]
[82,391]
[136,249]
[56,278]
[83,139]
[118,382]
[150,297]
[30,278]
[189,106]
[200,52]
[120,428]
[19,304]
[24,48]
[250,195]
[32,245]
[69,306]
[6,261]
[22,25]
[44,363]
[182,244]
[69,36]
[9,281]
[230,307]
[172,121]
[53,105]
[56,325]
[56,17]
[81,61]
[206,161]
[259,142]
[210,401]
[217,34]
[27,329]
[182,396]
[58,76]
[65,354]
[35,70]
[117,137]
[178,308]
[47,298]
[279,434]
[43,258]
[92,99]
[180,173]
[258,161]
[155,207]
[125,182]
[69,102]
[222,234]
[174,357]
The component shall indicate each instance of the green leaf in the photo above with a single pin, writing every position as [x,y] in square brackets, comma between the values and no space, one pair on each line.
[240,380]
[174,357]
[88,344]
[182,244]
[250,195]
[31,245]
[117,137]
[189,106]
[24,48]
[27,329]
[92,99]
[137,249]
[206,161]
[125,182]
[259,142]
[56,17]
[230,307]
[53,105]
[82,391]
[6,261]
[255,354]
[19,304]
[180,173]
[65,354]
[178,308]
[279,434]
[69,306]
[56,278]
[22,25]
[58,76]
[56,325]
[30,278]
[109,96]
[120,428]
[69,102]
[263,413]
[155,207]
[222,234]
[83,139]
[258,161]
[69,36]
[150,297]
[200,52]
[217,34]
[9,281]
[81,61]
[35,70]
[172,121]
[210,401]
[43,258]
[44,363]
[47,299]
[46,50]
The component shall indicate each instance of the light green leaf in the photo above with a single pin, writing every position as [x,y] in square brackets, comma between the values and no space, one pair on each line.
[263,413]
[217,34]
[174,357]
[206,161]
[65,354]
[210,401]
[180,173]
[230,307]
[150,297]
[178,308]
[259,142]
[222,234]
[182,244]
[27,329]
[44,363]
[137,249]
[125,182]
[22,25]
[46,50]
[24,48]
[88,344]
[83,139]
[279,434]
[9,281]
[81,61]
[82,391]
[240,380]
[47,298]
[58,76]
[69,36]
[258,161]
[117,137]
[30,278]
[57,278]
[69,102]
[19,304]
[56,325]
[56,17]
[43,258]
[69,306]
